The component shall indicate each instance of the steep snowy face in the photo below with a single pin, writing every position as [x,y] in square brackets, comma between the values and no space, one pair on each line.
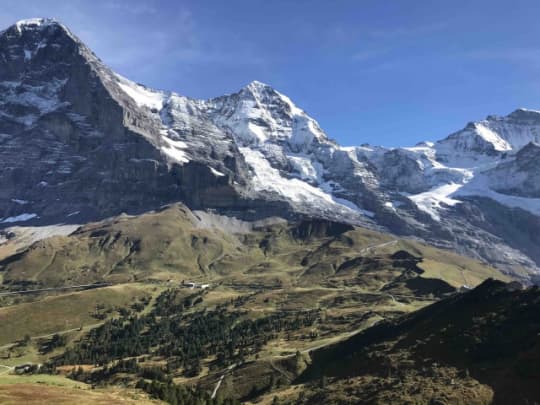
[184,131]
[411,170]
[29,85]
[490,138]
[291,156]
[480,137]
[518,128]
[518,176]
[259,114]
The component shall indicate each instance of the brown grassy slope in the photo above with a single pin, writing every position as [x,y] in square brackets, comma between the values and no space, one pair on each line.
[120,250]
[39,394]
[169,244]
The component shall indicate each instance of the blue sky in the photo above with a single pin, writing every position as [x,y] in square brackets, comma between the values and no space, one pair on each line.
[391,72]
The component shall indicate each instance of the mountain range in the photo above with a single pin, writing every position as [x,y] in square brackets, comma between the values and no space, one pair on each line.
[79,142]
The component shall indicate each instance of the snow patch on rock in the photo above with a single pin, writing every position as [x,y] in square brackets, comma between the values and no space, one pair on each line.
[175,150]
[216,172]
[19,218]
[141,95]
[433,201]
[268,179]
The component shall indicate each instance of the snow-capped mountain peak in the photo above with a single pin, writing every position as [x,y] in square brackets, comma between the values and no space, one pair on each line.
[258,86]
[525,114]
[36,23]
[265,93]
[42,27]
[496,134]
[258,114]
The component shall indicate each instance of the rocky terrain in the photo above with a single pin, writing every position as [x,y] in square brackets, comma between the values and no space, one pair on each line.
[79,142]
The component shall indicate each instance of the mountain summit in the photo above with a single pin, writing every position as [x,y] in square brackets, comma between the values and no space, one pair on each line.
[79,142]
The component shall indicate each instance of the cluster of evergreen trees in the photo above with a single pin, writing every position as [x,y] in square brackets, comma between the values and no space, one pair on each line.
[183,338]
[155,382]
[56,341]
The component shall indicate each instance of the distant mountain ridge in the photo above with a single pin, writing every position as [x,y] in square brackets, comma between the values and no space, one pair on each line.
[79,142]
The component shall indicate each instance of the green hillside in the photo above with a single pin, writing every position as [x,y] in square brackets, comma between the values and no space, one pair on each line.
[171,244]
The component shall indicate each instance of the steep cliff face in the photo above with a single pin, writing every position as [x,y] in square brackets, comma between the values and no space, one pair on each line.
[80,142]
[61,125]
[75,144]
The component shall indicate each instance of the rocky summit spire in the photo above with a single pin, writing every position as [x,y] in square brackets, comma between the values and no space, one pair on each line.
[38,28]
[39,42]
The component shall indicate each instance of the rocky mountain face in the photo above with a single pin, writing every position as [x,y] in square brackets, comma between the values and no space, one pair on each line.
[79,142]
